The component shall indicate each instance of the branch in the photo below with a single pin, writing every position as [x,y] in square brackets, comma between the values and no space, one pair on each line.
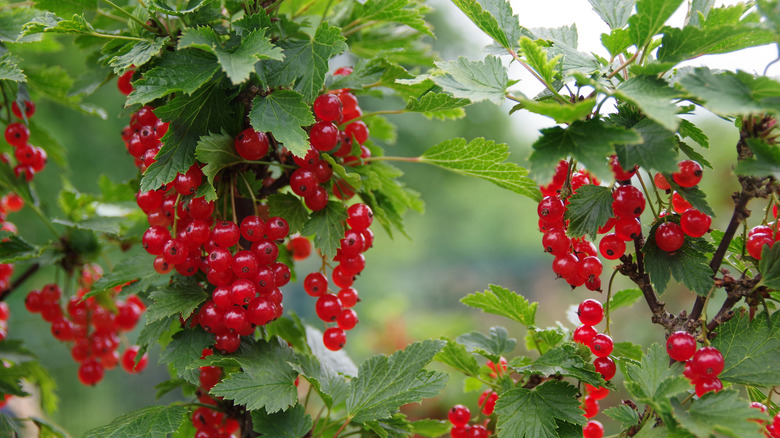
[19,281]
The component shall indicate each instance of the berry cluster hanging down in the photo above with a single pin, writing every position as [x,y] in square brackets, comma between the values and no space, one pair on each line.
[28,159]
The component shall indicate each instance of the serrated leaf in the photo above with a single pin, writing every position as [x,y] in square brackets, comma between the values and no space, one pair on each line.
[769,267]
[152,332]
[691,42]
[180,71]
[495,18]
[493,345]
[327,226]
[331,386]
[624,298]
[437,105]
[389,198]
[353,179]
[626,416]
[431,428]
[533,413]
[627,350]
[178,10]
[292,423]
[561,113]
[649,19]
[403,12]
[694,195]
[503,302]
[15,249]
[473,80]
[336,361]
[306,62]
[614,12]
[764,162]
[266,379]
[657,150]
[55,84]
[590,142]
[693,155]
[190,117]
[289,207]
[9,68]
[385,383]
[751,349]
[616,42]
[456,356]
[151,421]
[136,53]
[138,267]
[588,210]
[283,113]
[48,22]
[720,412]
[382,129]
[218,152]
[537,58]
[688,129]
[653,381]
[239,62]
[566,361]
[727,93]
[483,159]
[185,348]
[179,298]
[654,97]
[546,339]
[689,265]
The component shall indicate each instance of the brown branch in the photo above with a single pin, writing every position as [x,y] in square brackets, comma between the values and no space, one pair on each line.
[20,280]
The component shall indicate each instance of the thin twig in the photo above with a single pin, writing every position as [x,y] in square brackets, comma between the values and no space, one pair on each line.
[20,280]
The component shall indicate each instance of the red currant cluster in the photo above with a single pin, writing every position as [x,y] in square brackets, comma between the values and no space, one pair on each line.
[575,259]
[460,416]
[760,236]
[670,236]
[337,307]
[123,82]
[29,159]
[773,427]
[702,366]
[211,422]
[590,404]
[591,313]
[92,327]
[142,141]
[593,429]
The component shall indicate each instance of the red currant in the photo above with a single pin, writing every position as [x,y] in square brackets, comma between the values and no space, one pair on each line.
[593,429]
[251,145]
[669,236]
[277,228]
[708,384]
[689,174]
[303,181]
[347,319]
[459,415]
[680,346]
[590,312]
[708,362]
[601,345]
[324,136]
[315,284]
[327,107]
[617,169]
[359,217]
[328,307]
[123,83]
[334,338]
[129,358]
[606,367]
[29,109]
[628,201]
[695,223]
[584,334]
[551,209]
[612,247]
[628,228]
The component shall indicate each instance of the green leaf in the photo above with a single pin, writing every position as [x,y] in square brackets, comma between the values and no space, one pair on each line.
[239,62]
[492,346]
[657,150]
[718,413]
[9,69]
[179,10]
[151,421]
[153,331]
[283,113]
[561,113]
[381,128]
[482,159]
[691,42]
[185,348]
[405,12]
[138,267]
[588,210]
[616,42]
[437,105]
[649,19]
[627,350]
[218,152]
[614,12]
[353,179]
[180,71]
[190,117]
[12,23]
[266,379]
[289,207]
[455,355]
[66,7]
[545,338]
[48,430]
[537,58]
[626,416]
[179,298]
[590,142]
[431,428]
[335,361]
[135,53]
[503,302]
[533,413]
[654,97]
[764,162]
[688,129]
[331,386]
[689,265]
[566,361]
[306,63]
[15,249]
[624,298]
[473,80]
[389,198]
[653,381]
[327,226]
[750,349]
[694,195]
[385,383]
[728,93]
[55,84]
[48,22]
[495,18]
[769,267]
[9,426]
[292,423]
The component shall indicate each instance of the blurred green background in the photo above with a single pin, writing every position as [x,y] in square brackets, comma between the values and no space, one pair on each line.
[472,234]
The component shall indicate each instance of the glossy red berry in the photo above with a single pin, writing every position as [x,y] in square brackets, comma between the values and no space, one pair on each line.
[584,334]
[679,204]
[550,209]
[348,297]
[154,240]
[596,393]
[334,338]
[245,264]
[628,228]
[593,429]
[628,201]
[601,345]
[681,346]
[606,367]
[755,244]
[303,181]
[315,284]
[225,234]
[123,83]
[589,267]
[660,181]
[277,228]
[186,183]
[695,223]
[669,236]
[689,173]
[359,217]
[324,136]
[17,134]
[251,145]
[612,247]
[477,431]
[707,362]
[590,406]
[261,311]
[29,109]
[299,248]
[488,401]
[347,319]
[460,431]
[328,307]
[556,242]
[252,228]
[459,415]
[90,372]
[708,384]
[327,107]
[129,359]
[357,130]
[617,169]
[590,312]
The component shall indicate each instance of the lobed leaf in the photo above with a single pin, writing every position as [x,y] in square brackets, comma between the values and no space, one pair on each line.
[565,361]
[750,349]
[218,152]
[283,113]
[535,413]
[327,226]
[473,80]
[495,18]
[151,421]
[503,302]
[180,71]
[588,210]
[718,413]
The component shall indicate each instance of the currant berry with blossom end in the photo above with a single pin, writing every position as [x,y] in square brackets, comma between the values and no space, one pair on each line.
[606,367]
[459,415]
[681,346]
[669,236]
[689,174]
[593,429]
[334,338]
[708,362]
[590,312]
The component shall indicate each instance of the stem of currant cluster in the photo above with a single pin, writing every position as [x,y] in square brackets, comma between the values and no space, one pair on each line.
[20,280]
[647,194]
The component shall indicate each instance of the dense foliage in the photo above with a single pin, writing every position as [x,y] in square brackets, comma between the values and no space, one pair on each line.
[254,153]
